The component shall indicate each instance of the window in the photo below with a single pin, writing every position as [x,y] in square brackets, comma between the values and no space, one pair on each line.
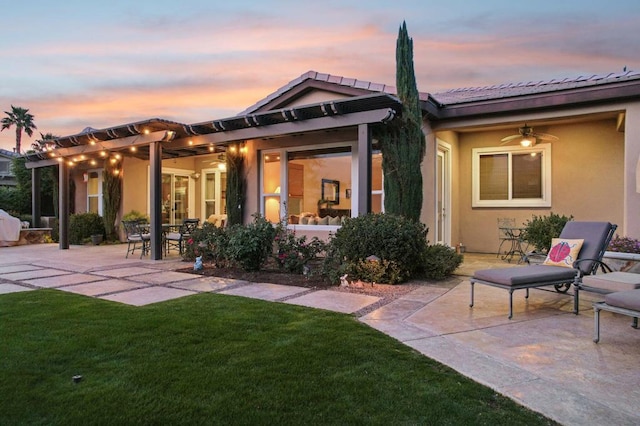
[377,179]
[292,183]
[5,167]
[512,176]
[94,191]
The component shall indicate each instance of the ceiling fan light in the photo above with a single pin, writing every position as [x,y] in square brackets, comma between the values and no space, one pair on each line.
[527,142]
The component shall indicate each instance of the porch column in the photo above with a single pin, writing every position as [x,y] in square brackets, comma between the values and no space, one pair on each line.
[361,192]
[35,197]
[63,208]
[155,196]
[631,219]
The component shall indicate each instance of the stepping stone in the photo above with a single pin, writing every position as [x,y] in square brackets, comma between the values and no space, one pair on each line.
[265,291]
[6,288]
[62,280]
[38,273]
[347,303]
[207,284]
[147,295]
[124,272]
[103,287]
[165,277]
[17,268]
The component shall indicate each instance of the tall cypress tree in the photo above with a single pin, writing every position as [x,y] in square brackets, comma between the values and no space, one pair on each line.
[111,197]
[402,142]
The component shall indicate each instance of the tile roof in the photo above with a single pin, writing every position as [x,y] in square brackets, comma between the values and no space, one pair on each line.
[500,91]
[462,95]
[314,75]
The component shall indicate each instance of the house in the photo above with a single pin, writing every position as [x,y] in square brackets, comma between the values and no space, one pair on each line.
[7,178]
[312,158]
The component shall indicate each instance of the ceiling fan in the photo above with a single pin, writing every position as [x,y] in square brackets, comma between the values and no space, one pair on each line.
[528,137]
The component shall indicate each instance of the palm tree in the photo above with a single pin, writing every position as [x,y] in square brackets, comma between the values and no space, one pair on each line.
[45,141]
[22,120]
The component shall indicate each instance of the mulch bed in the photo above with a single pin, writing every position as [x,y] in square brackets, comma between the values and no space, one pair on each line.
[387,293]
[262,276]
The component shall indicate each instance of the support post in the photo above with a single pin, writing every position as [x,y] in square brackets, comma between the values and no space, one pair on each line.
[35,197]
[155,188]
[63,209]
[363,179]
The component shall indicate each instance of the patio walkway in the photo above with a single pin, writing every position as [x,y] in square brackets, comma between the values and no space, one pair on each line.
[543,358]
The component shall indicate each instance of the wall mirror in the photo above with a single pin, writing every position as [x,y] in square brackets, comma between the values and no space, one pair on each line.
[331,190]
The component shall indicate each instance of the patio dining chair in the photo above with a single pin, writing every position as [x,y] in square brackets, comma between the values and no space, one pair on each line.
[176,239]
[504,236]
[577,252]
[136,235]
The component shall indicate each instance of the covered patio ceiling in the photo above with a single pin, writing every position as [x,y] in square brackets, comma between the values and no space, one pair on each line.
[185,140]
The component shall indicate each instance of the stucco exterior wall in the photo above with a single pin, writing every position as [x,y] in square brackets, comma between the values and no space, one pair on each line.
[135,191]
[80,198]
[587,177]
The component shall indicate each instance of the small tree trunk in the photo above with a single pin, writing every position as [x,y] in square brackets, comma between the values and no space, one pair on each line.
[235,186]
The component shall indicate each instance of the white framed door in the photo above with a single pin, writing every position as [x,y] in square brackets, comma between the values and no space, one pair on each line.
[214,188]
[443,194]
[178,195]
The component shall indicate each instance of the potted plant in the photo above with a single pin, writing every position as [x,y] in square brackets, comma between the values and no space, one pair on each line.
[96,239]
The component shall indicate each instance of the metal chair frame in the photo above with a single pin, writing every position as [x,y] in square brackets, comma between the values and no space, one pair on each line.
[135,236]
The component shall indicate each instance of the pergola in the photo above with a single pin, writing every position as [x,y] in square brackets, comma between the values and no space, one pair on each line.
[156,139]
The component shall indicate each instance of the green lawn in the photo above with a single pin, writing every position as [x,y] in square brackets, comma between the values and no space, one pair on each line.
[213,359]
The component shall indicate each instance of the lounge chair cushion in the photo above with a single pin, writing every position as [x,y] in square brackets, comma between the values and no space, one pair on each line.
[594,234]
[525,275]
[563,252]
[629,299]
[611,282]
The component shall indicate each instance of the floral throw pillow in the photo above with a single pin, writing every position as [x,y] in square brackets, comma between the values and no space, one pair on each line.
[563,252]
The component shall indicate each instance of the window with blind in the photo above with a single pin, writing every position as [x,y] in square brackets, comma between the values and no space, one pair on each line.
[512,176]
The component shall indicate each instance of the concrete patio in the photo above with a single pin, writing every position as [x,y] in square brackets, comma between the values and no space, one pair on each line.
[543,358]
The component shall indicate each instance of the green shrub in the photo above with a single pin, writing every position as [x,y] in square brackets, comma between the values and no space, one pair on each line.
[83,225]
[541,229]
[55,230]
[293,254]
[251,245]
[135,215]
[398,242]
[376,271]
[440,261]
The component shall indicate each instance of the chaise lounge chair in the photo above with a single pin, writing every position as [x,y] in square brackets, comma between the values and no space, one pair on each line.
[595,236]
[612,282]
[621,302]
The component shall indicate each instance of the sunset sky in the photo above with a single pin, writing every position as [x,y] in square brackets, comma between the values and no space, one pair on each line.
[81,63]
